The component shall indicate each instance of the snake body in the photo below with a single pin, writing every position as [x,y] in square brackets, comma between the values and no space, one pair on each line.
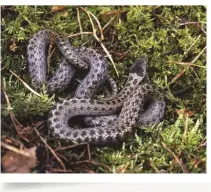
[36,56]
[153,113]
[98,135]
[80,58]
[132,96]
[107,125]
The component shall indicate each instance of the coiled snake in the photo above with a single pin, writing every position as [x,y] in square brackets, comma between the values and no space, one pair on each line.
[104,128]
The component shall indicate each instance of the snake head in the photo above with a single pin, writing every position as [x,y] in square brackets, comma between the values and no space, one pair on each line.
[139,67]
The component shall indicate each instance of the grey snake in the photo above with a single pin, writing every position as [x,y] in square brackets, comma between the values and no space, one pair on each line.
[104,123]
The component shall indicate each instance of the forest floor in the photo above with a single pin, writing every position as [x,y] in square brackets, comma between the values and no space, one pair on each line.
[174,40]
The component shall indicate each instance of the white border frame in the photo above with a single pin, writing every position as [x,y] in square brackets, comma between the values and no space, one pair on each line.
[106,178]
[114,178]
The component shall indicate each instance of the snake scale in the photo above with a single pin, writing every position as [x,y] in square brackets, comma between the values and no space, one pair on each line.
[105,125]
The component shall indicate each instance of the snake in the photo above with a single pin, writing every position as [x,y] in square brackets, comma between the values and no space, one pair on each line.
[129,103]
[131,98]
[79,58]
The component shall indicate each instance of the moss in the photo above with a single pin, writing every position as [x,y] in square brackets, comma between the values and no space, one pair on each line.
[168,35]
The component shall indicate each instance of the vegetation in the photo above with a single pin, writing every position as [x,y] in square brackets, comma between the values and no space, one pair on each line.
[173,38]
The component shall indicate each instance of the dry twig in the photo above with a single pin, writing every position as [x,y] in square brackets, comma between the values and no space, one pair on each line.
[54,170]
[51,150]
[68,147]
[185,131]
[16,123]
[190,23]
[89,153]
[100,42]
[99,25]
[79,22]
[25,84]
[94,163]
[198,24]
[188,66]
[175,157]
[77,34]
[18,151]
